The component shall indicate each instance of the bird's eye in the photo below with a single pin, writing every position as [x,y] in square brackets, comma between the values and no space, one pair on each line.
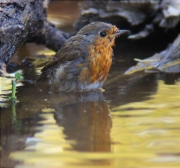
[103,34]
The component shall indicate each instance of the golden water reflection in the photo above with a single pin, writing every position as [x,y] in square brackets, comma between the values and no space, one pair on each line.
[148,132]
[84,133]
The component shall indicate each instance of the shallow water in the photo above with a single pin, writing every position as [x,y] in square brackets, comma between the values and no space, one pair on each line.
[133,122]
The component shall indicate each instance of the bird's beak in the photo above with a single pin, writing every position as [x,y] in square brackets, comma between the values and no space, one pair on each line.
[120,32]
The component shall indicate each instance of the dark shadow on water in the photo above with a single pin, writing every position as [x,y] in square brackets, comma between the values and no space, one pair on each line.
[128,89]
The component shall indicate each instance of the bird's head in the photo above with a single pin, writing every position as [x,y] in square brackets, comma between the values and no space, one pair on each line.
[100,33]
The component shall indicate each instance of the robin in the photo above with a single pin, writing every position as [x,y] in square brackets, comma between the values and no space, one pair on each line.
[84,61]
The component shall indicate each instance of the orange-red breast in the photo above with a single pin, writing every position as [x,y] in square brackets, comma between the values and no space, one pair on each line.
[84,61]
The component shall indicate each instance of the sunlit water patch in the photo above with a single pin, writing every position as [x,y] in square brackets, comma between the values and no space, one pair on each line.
[148,132]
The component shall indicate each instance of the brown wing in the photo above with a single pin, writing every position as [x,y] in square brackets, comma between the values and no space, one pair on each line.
[72,50]
[48,70]
[69,52]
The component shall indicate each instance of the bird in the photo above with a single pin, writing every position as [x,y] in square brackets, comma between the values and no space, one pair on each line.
[84,61]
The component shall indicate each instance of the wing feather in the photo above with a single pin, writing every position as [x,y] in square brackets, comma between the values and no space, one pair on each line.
[71,51]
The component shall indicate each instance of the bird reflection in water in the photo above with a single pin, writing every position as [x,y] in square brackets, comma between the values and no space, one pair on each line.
[86,119]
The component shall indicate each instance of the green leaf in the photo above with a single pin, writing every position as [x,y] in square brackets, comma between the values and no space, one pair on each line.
[18,76]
